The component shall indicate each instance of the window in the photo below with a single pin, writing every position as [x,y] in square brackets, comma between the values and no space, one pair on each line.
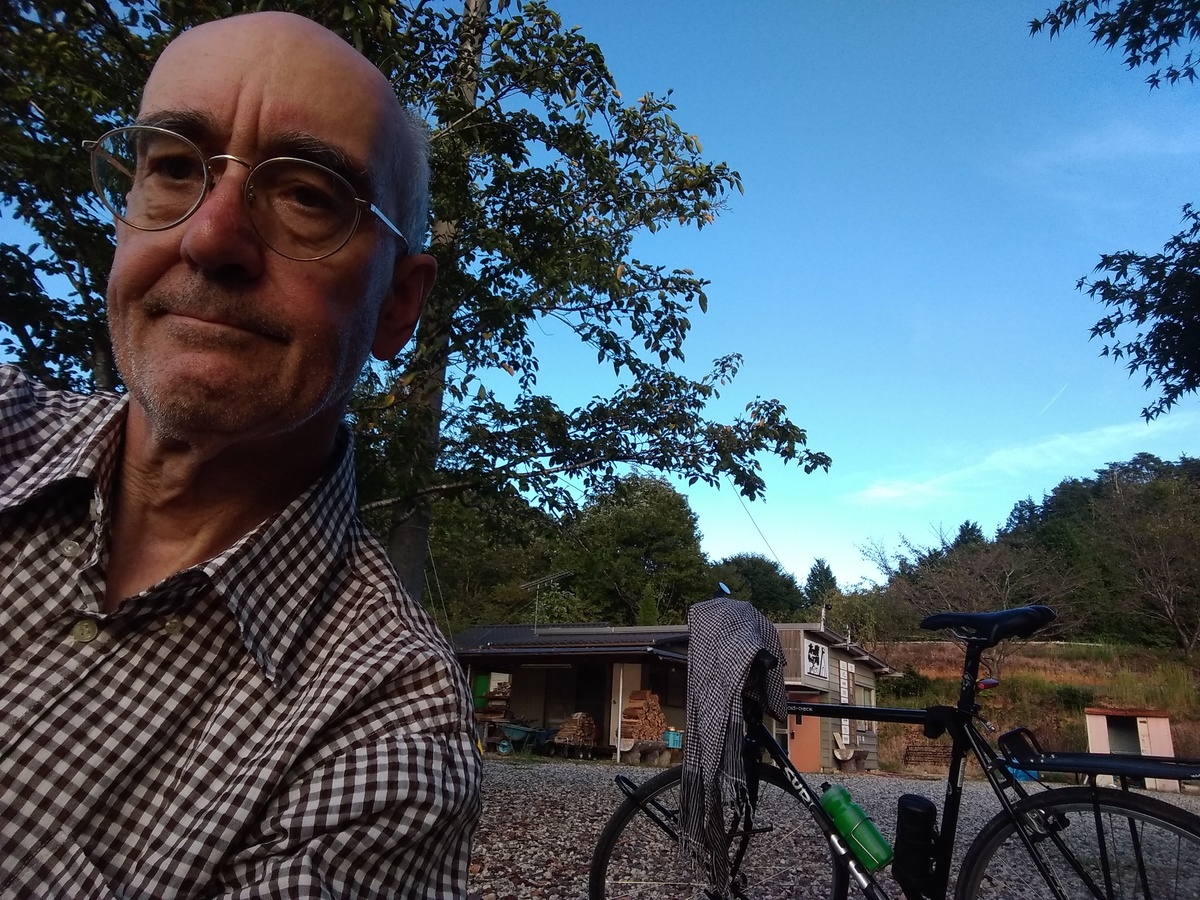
[670,684]
[864,695]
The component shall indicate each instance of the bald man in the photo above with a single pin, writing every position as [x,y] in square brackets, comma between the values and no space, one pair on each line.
[211,681]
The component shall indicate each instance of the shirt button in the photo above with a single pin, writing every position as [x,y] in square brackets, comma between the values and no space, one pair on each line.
[84,631]
[70,549]
[173,626]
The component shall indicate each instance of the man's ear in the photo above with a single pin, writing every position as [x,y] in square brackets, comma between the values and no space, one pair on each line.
[412,279]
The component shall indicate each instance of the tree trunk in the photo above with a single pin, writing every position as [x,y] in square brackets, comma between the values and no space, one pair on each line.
[408,542]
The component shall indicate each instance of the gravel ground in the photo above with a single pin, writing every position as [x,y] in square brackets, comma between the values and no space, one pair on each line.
[541,820]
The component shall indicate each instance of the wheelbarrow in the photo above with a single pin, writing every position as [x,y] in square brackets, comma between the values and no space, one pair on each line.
[519,737]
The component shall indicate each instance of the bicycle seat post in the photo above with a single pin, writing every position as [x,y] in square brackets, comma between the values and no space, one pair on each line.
[970,677]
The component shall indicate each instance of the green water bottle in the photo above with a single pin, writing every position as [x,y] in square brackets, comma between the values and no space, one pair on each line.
[866,843]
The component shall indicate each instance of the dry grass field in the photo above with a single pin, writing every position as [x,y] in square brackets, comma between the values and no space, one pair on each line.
[1046,687]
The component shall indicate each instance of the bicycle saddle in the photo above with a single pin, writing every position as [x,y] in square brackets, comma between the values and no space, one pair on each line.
[990,628]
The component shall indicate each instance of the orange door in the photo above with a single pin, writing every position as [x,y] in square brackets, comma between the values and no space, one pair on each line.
[804,743]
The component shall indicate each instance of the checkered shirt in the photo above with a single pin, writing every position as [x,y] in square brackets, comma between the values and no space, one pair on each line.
[281,720]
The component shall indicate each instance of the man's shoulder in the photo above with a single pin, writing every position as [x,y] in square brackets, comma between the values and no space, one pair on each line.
[403,662]
[378,577]
[26,401]
[35,419]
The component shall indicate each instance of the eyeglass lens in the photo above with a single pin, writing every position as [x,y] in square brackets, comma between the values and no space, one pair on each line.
[153,180]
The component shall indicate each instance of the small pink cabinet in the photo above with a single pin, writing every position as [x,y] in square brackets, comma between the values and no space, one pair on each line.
[1132,732]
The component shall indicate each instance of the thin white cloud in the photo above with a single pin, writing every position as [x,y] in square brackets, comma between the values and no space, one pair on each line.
[1113,142]
[901,492]
[1053,399]
[1059,456]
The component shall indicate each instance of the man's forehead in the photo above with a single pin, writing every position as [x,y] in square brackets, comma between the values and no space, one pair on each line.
[252,76]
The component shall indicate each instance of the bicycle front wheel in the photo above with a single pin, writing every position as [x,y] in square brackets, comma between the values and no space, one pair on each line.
[1107,844]
[786,855]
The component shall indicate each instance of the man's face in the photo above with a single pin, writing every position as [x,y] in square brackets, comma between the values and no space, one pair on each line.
[215,333]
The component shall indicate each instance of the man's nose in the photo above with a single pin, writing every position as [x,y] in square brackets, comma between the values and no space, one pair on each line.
[219,237]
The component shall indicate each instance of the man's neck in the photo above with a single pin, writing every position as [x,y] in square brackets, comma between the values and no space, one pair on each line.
[176,502]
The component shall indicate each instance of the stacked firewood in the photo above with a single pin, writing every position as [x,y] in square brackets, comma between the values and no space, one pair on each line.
[642,719]
[495,703]
[579,730]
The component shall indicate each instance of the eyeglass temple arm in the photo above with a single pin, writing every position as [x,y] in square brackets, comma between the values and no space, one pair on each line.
[379,214]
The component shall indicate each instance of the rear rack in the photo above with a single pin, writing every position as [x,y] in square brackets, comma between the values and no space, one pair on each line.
[1021,749]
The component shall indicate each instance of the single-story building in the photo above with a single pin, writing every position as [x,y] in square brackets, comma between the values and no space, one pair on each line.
[557,670]
[823,666]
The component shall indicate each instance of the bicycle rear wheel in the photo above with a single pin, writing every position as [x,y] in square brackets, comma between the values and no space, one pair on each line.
[1152,849]
[786,855]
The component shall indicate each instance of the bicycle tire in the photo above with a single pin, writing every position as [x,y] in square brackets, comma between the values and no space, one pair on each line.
[637,860]
[997,865]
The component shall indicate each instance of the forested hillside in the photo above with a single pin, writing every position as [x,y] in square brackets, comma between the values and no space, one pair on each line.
[1117,554]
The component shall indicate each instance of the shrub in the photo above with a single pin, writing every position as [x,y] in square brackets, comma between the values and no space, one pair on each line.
[1074,698]
[909,685]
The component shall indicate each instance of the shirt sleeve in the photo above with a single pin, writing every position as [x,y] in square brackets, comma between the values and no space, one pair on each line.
[388,818]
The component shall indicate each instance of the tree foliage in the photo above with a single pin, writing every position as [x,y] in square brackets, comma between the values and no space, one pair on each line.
[974,575]
[1153,301]
[764,583]
[820,584]
[634,541]
[1147,31]
[1155,529]
[543,177]
[1116,554]
[1153,322]
[872,615]
[492,560]
[70,71]
[1132,535]
[630,555]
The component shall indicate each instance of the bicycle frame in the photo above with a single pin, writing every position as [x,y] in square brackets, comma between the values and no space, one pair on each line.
[1018,749]
[966,740]
[936,720]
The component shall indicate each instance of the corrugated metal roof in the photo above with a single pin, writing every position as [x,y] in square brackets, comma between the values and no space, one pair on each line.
[667,641]
[495,638]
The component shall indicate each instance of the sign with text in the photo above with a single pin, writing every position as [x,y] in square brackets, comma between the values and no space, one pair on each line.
[816,659]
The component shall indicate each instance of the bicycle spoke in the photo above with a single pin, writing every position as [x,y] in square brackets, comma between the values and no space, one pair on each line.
[782,854]
[1119,847]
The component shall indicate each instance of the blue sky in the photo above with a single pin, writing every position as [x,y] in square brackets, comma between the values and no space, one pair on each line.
[924,184]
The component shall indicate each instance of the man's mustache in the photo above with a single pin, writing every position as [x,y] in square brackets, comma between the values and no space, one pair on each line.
[216,305]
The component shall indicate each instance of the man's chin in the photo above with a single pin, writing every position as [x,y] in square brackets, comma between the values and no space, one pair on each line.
[188,421]
[187,408]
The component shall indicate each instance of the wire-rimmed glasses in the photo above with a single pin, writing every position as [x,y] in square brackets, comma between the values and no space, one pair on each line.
[153,179]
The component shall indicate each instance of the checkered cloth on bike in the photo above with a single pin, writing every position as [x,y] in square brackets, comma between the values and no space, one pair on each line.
[725,637]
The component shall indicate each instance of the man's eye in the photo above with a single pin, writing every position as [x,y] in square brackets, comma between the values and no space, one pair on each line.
[310,196]
[176,167]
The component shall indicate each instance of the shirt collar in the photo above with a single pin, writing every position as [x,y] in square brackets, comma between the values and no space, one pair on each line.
[278,580]
[275,580]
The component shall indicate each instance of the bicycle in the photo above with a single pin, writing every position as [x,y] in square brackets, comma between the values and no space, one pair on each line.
[1083,841]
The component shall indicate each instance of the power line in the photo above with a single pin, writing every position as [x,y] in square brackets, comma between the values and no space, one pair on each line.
[746,509]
